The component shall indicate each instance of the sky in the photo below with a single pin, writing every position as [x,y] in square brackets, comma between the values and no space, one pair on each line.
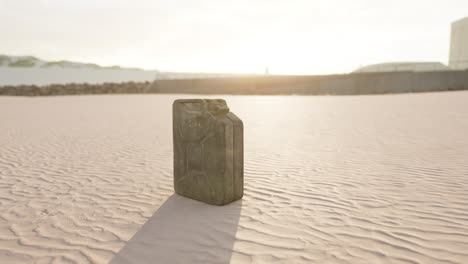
[240,36]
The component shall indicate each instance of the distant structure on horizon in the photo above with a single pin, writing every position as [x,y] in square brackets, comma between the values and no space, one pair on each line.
[459,45]
[404,66]
[458,59]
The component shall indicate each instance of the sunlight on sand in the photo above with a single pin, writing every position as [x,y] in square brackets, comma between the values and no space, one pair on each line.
[328,179]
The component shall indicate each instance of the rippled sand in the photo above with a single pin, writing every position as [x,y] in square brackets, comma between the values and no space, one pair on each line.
[363,179]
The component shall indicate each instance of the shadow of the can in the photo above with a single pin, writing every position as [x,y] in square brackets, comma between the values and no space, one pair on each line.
[184,231]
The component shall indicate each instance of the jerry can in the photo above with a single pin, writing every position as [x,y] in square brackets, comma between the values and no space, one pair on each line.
[208,151]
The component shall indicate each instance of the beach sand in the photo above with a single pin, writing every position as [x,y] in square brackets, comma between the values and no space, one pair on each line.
[328,179]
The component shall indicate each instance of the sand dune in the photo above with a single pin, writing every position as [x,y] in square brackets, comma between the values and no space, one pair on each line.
[362,179]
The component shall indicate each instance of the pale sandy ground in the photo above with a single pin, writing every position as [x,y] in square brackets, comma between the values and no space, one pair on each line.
[364,179]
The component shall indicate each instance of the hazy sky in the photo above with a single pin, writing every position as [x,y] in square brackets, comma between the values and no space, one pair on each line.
[288,36]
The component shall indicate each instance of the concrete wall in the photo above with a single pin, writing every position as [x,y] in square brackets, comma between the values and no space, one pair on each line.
[344,84]
[459,45]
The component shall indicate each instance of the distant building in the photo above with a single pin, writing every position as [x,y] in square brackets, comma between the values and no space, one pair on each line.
[404,66]
[459,45]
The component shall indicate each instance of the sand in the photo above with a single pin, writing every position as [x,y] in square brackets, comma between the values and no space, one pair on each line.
[362,179]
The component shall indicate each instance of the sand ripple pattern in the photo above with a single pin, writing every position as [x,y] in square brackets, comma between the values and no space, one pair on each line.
[362,179]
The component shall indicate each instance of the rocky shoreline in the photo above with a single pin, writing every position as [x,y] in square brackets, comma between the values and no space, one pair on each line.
[75,89]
